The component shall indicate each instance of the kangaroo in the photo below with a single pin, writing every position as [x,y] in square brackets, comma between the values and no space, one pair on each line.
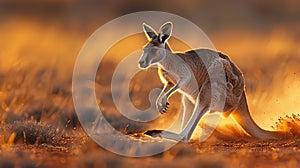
[187,74]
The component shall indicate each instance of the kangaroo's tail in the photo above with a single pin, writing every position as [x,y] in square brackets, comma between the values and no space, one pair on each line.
[243,117]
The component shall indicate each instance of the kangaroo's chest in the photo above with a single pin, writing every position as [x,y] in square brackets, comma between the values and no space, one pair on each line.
[191,89]
[167,77]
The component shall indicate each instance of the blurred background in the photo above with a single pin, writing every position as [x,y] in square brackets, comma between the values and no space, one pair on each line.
[40,40]
[262,38]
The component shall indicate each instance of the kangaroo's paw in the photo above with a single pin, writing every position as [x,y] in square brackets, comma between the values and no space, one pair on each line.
[163,134]
[162,105]
[153,133]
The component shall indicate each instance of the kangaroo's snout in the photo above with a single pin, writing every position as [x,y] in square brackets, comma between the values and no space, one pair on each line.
[142,64]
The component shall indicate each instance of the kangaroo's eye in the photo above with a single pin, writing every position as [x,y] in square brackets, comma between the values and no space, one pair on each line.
[153,50]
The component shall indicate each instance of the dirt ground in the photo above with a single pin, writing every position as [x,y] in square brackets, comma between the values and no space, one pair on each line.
[53,137]
[220,153]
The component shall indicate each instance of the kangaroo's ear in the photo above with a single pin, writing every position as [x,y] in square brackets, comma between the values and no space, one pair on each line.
[149,31]
[165,32]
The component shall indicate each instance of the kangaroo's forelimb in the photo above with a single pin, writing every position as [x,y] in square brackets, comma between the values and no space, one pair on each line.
[161,102]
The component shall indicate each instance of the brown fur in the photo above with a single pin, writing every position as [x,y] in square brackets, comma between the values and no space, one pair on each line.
[206,78]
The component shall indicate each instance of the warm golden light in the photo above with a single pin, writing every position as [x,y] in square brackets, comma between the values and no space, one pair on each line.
[40,41]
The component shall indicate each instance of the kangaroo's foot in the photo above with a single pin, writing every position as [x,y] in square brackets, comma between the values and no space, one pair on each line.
[163,134]
[162,105]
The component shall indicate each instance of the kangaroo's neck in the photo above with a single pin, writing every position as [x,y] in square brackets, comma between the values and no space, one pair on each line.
[170,60]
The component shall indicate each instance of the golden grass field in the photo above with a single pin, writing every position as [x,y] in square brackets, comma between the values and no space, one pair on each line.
[39,126]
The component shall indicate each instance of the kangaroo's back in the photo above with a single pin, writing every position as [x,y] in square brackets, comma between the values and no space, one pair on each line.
[200,60]
[203,60]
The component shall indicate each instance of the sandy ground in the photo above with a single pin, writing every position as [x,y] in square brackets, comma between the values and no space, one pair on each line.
[53,136]
[234,153]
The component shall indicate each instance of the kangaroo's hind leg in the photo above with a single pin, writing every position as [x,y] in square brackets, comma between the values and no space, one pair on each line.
[188,108]
[186,133]
[200,108]
[198,112]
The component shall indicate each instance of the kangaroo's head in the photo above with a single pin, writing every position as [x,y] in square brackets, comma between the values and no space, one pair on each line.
[155,50]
